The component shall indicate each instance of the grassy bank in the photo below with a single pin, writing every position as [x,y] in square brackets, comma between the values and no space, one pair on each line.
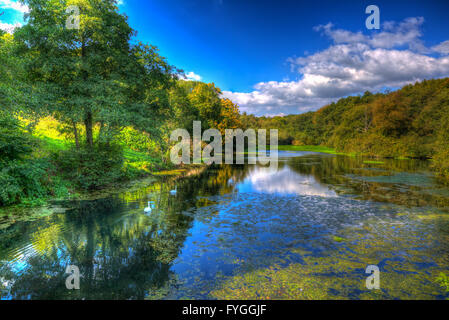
[328,150]
[321,149]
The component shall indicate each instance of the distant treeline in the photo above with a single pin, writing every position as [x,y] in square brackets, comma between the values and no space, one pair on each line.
[410,122]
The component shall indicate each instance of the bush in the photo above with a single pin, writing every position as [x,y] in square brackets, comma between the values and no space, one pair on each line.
[137,140]
[441,156]
[11,190]
[20,178]
[441,164]
[92,168]
[15,143]
[24,180]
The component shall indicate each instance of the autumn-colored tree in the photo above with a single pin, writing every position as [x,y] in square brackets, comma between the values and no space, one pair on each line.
[205,97]
[230,116]
[391,114]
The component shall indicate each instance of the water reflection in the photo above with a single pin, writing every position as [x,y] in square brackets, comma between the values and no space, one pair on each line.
[314,223]
[282,181]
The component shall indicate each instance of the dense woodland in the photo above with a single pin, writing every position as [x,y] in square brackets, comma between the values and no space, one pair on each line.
[411,122]
[84,108]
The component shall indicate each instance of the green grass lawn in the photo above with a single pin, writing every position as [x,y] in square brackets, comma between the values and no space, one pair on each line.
[133,158]
[52,145]
[321,149]
[143,161]
[373,162]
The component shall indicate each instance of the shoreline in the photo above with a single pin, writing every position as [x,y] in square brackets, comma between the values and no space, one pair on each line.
[19,213]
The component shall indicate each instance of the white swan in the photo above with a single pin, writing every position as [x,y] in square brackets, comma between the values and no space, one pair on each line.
[149,208]
[173,192]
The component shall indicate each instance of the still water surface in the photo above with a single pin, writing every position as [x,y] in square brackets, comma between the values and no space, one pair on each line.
[307,230]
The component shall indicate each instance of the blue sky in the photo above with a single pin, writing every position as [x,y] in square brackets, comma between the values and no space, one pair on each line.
[282,57]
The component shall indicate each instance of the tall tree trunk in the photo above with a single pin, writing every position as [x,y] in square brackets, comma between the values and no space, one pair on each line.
[77,139]
[88,118]
[88,122]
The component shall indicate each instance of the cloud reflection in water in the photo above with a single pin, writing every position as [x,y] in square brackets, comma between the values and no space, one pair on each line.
[283,181]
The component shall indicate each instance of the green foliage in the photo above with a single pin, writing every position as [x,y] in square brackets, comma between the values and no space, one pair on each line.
[93,75]
[441,163]
[21,178]
[137,140]
[13,88]
[441,157]
[196,101]
[411,122]
[14,142]
[92,168]
[28,182]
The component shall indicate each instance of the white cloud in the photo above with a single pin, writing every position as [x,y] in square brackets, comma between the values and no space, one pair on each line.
[352,64]
[14,5]
[393,34]
[8,27]
[192,76]
[442,48]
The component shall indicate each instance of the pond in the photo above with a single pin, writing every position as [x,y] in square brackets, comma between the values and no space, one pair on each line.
[307,230]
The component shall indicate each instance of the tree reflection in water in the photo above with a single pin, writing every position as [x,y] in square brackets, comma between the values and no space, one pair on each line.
[223,221]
